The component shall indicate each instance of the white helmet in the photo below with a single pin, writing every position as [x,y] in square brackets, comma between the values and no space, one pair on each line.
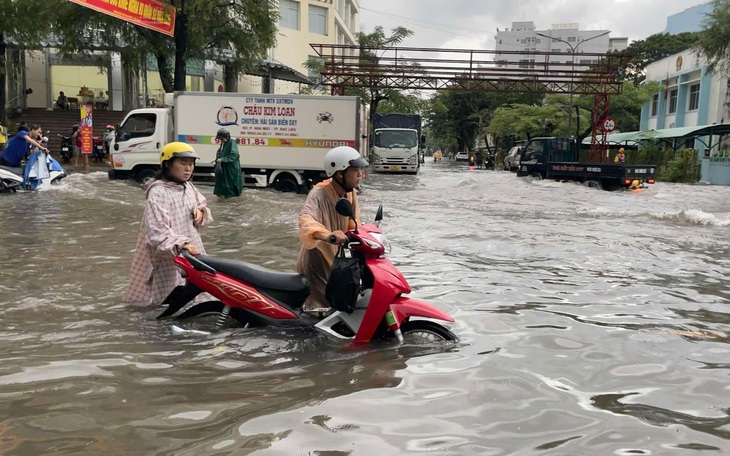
[342,157]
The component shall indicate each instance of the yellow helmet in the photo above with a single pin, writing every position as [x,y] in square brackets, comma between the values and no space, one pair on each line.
[177,150]
[621,149]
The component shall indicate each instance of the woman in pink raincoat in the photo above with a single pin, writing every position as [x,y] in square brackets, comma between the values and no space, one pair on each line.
[318,220]
[174,214]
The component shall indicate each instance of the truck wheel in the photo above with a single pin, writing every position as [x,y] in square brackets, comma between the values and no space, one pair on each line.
[145,175]
[593,184]
[536,176]
[285,185]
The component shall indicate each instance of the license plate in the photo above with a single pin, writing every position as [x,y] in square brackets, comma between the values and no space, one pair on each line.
[65,149]
[395,168]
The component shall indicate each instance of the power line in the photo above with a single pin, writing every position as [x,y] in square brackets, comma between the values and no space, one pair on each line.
[428,25]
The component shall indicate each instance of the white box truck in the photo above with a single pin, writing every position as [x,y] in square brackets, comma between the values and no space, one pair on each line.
[282,139]
[398,143]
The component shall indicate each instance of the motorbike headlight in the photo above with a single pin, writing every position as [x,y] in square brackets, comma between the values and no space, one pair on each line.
[380,237]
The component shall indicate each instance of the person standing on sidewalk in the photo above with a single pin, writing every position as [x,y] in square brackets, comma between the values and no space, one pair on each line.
[228,181]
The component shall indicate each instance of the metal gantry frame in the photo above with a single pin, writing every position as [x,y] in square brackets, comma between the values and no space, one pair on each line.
[478,70]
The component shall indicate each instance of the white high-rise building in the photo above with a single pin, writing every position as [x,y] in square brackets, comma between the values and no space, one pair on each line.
[559,38]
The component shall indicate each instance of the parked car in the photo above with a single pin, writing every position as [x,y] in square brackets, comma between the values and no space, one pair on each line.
[512,160]
[462,156]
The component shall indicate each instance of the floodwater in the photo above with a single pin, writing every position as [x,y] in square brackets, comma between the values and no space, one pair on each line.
[590,323]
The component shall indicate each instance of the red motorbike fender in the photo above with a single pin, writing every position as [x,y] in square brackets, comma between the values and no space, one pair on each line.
[385,273]
[404,307]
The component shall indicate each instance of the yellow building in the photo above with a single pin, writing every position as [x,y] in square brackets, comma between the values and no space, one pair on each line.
[302,23]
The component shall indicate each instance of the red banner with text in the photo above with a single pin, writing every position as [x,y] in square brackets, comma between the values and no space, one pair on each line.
[151,14]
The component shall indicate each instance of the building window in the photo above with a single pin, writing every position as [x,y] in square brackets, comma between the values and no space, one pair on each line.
[316,64]
[571,39]
[694,97]
[317,20]
[289,11]
[655,105]
[672,101]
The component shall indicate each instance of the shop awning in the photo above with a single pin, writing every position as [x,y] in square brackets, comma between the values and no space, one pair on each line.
[634,137]
[278,70]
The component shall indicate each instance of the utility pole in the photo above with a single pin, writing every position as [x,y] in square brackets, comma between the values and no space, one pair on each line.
[573,48]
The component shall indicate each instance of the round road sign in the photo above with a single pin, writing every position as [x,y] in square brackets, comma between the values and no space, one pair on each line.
[609,124]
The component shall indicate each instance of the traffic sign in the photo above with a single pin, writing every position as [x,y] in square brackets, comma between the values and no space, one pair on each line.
[609,124]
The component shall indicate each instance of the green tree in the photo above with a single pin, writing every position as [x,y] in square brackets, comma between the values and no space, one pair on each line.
[625,107]
[462,117]
[523,121]
[237,33]
[23,22]
[714,39]
[651,49]
[371,48]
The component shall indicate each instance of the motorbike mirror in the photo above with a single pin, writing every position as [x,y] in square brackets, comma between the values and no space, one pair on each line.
[344,207]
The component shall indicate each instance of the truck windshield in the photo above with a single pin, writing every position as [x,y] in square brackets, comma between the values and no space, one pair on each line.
[395,138]
[534,150]
[137,126]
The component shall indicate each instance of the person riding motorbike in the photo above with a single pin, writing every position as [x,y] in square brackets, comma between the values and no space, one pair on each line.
[21,144]
[319,222]
[109,137]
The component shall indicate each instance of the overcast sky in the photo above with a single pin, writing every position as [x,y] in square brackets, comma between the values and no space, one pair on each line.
[472,24]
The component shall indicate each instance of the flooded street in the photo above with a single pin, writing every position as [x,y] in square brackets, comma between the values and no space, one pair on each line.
[590,322]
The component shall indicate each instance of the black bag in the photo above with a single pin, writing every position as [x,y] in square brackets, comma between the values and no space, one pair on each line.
[343,285]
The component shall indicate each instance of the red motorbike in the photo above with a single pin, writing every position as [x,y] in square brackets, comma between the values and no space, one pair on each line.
[254,296]
[98,152]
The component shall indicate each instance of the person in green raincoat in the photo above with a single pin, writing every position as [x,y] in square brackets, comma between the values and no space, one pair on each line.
[228,181]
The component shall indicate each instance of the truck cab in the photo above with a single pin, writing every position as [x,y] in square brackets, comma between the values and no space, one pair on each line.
[397,145]
[135,149]
[395,150]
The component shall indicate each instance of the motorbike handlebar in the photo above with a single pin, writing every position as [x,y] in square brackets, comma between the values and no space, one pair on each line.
[197,264]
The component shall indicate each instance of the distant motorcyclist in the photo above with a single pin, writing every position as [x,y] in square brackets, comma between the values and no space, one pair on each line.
[109,137]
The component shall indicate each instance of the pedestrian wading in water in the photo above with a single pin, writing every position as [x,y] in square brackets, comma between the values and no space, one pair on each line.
[173,216]
[228,181]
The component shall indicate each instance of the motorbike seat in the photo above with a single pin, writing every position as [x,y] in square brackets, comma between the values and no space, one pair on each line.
[258,276]
[14,170]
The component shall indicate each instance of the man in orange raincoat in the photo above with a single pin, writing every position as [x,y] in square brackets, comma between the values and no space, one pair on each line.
[318,221]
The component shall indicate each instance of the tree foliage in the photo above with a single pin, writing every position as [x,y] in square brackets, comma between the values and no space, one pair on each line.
[235,32]
[21,22]
[379,100]
[714,39]
[653,48]
[457,119]
[521,121]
